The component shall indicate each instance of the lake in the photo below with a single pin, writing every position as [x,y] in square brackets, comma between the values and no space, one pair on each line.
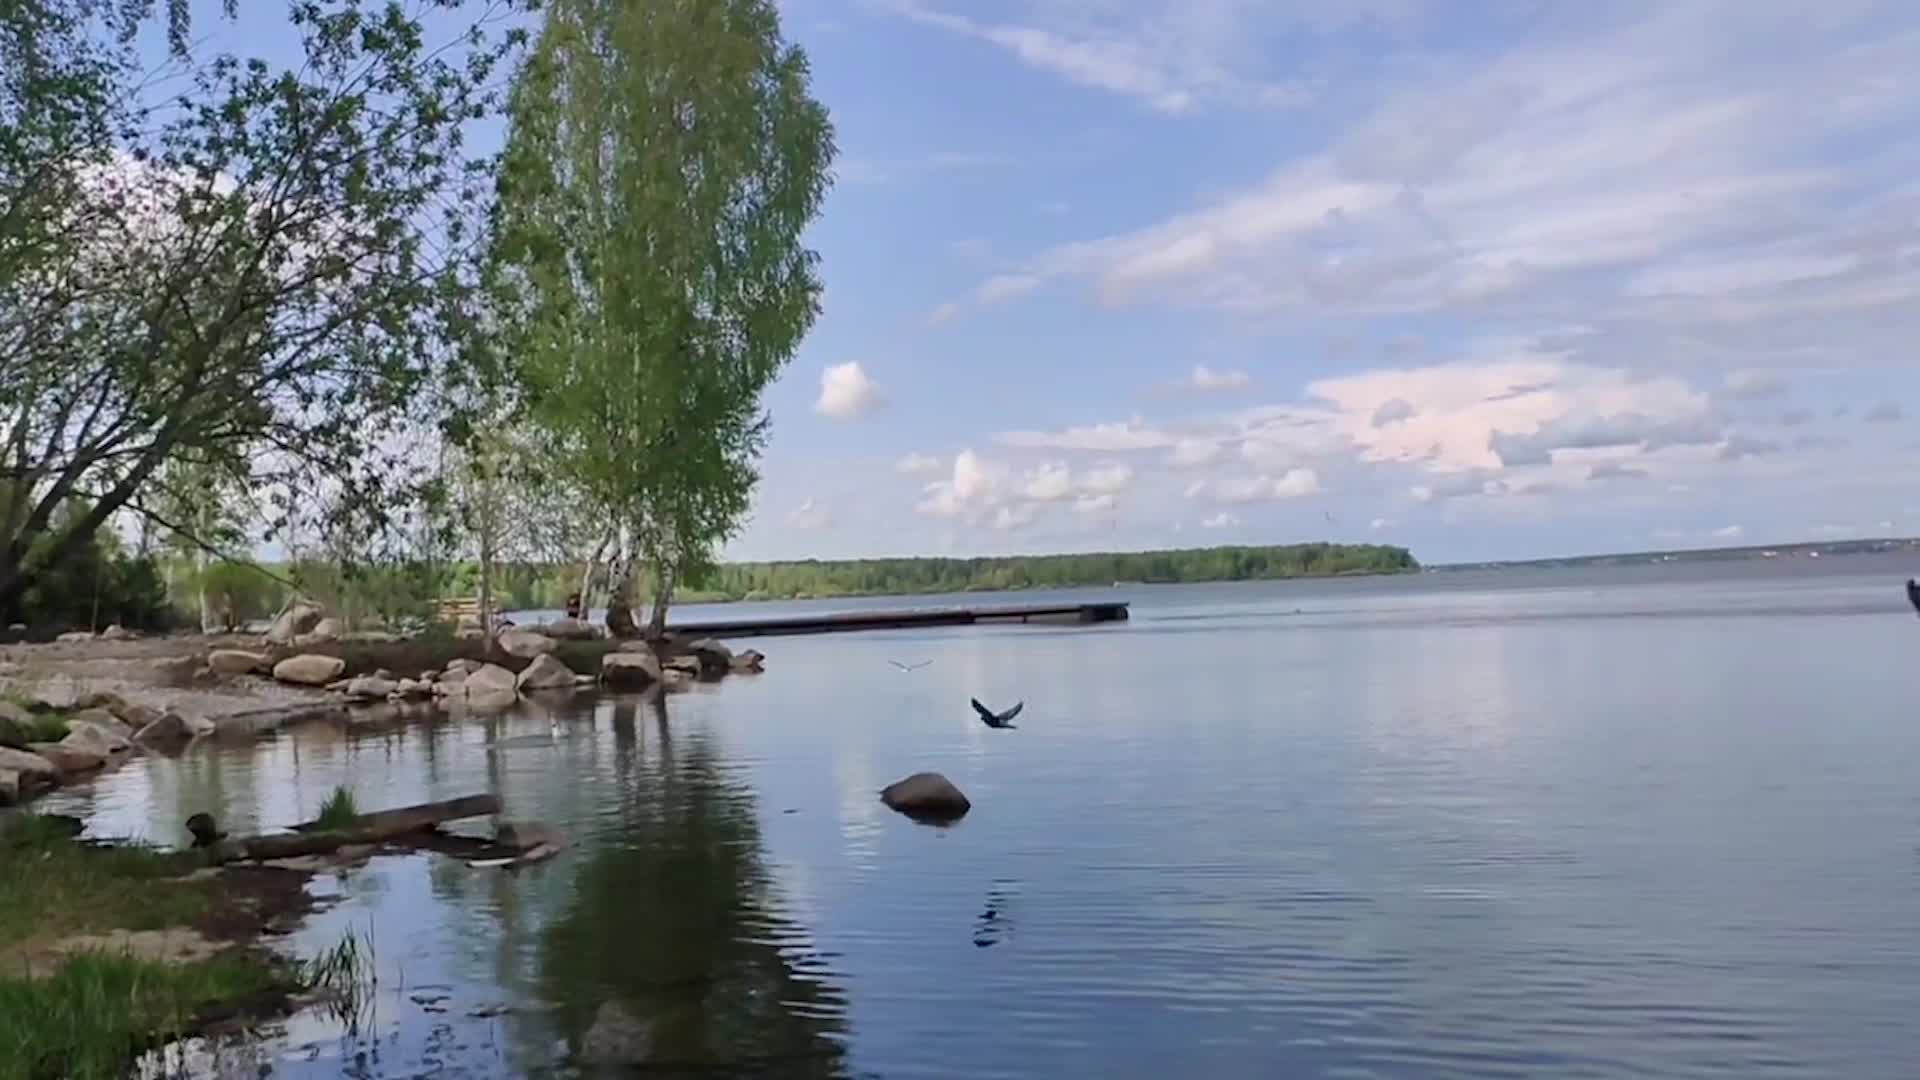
[1654,821]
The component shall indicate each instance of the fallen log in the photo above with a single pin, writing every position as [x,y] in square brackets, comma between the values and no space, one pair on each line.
[375,828]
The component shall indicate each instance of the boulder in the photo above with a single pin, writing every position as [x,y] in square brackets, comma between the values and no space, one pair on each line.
[370,688]
[750,662]
[714,657]
[91,737]
[35,770]
[429,677]
[462,665]
[545,673]
[16,725]
[102,699]
[689,666]
[236,662]
[116,632]
[491,677]
[299,619]
[527,835]
[414,688]
[69,760]
[327,629]
[136,717]
[107,721]
[309,669]
[525,644]
[926,796]
[75,636]
[617,1038]
[569,630]
[629,669]
[170,731]
[674,678]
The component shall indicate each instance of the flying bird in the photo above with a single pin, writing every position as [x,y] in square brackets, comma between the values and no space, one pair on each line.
[997,719]
[909,667]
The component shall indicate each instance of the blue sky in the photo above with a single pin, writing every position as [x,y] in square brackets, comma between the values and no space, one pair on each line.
[1490,280]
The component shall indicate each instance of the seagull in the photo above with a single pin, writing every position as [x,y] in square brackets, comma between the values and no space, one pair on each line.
[909,667]
[997,720]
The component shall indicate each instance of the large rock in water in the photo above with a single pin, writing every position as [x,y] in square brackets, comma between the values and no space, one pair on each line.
[95,739]
[629,669]
[525,644]
[299,619]
[170,731]
[569,630]
[236,662]
[545,673]
[68,759]
[309,670]
[492,687]
[750,662]
[927,796]
[22,774]
[16,725]
[715,658]
[370,688]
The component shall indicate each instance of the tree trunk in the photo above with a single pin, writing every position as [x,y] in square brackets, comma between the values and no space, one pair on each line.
[486,583]
[200,590]
[662,597]
[620,591]
[586,580]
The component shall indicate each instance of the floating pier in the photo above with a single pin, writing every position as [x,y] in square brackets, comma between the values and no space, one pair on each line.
[841,622]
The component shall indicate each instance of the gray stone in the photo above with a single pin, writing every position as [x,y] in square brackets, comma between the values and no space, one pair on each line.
[926,795]
[462,665]
[102,699]
[171,729]
[750,662]
[136,717]
[116,632]
[569,630]
[714,657]
[74,636]
[491,678]
[629,669]
[617,1037]
[29,765]
[236,661]
[491,700]
[94,738]
[414,688]
[370,688]
[545,673]
[16,725]
[687,665]
[108,721]
[309,669]
[69,760]
[327,629]
[299,619]
[524,644]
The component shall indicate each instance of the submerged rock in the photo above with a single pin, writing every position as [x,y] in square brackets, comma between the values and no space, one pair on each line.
[236,662]
[750,662]
[617,1037]
[524,644]
[492,687]
[545,673]
[414,688]
[714,658]
[629,669]
[309,669]
[527,835]
[68,759]
[95,738]
[370,688]
[462,666]
[926,796]
[170,730]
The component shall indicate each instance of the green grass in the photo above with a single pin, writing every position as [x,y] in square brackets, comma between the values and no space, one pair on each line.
[95,1015]
[47,727]
[339,811]
[52,886]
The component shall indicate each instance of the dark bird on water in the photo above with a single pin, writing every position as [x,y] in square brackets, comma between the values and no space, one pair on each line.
[997,719]
[910,667]
[1913,594]
[205,833]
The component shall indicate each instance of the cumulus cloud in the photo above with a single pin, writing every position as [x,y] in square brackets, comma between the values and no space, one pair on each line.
[1745,446]
[1131,435]
[914,464]
[1206,380]
[1380,524]
[1094,504]
[1392,411]
[1192,453]
[1221,520]
[1048,482]
[1106,479]
[1292,484]
[846,392]
[1591,432]
[1614,470]
[972,488]
[1752,385]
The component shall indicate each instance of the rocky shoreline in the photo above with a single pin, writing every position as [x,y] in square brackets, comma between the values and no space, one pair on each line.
[73,708]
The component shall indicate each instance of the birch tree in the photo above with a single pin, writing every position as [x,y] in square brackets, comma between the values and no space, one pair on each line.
[663,163]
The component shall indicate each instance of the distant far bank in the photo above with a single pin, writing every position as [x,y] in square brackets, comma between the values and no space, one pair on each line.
[810,578]
[1805,550]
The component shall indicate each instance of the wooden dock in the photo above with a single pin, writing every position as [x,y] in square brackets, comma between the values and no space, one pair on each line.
[906,619]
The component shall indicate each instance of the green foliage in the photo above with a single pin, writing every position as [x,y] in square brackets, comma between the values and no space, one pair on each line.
[339,811]
[98,1012]
[47,727]
[255,279]
[95,583]
[76,887]
[662,165]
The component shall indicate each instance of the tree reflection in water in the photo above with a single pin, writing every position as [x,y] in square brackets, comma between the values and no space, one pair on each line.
[674,919]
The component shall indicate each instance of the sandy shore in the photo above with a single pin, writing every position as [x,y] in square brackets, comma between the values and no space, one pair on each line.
[154,671]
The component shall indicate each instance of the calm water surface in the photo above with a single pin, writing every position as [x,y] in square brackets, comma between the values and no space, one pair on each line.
[1653,822]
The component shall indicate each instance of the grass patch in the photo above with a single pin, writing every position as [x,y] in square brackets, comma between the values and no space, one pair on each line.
[47,727]
[99,1012]
[52,886]
[339,811]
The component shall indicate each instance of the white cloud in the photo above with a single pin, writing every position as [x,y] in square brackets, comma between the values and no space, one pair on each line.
[1006,287]
[1749,385]
[1132,435]
[1292,484]
[1393,411]
[914,464]
[810,515]
[1009,518]
[846,392]
[1206,380]
[1221,520]
[1106,479]
[1049,482]
[943,313]
[1296,483]
[1094,504]
[1380,524]
[1729,532]
[1192,453]
[973,488]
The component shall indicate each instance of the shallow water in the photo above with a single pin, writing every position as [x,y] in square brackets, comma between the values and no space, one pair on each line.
[1652,821]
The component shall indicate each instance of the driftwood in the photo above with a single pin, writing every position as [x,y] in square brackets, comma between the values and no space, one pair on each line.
[311,839]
